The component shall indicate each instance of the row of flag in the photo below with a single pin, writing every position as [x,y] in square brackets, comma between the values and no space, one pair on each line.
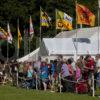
[8,36]
[63,22]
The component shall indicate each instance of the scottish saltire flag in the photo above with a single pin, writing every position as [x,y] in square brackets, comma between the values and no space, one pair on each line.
[9,37]
[31,30]
[63,21]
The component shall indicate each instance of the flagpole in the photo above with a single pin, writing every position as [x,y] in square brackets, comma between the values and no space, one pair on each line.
[24,42]
[98,23]
[7,52]
[17,40]
[9,35]
[76,34]
[40,27]
[55,21]
[29,43]
[81,26]
[17,52]
[30,37]
[7,45]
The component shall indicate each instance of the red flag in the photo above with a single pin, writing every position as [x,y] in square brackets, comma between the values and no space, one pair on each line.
[84,15]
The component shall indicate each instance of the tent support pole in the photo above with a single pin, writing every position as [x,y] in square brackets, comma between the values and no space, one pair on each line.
[98,23]
[76,33]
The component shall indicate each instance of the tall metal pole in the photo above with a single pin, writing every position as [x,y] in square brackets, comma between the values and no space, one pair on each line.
[17,40]
[98,22]
[25,41]
[7,52]
[55,22]
[7,42]
[29,44]
[76,32]
[40,25]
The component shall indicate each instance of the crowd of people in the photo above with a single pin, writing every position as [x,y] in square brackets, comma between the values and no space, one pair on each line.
[61,74]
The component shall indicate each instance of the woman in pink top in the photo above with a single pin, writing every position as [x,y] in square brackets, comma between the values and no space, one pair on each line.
[78,75]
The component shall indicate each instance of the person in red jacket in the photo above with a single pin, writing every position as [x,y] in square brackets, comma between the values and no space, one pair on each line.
[89,69]
[89,63]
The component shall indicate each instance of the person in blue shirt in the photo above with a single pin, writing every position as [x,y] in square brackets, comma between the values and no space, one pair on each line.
[44,75]
[30,78]
[53,70]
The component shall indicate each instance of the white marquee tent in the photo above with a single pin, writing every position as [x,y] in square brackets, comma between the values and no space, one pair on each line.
[30,57]
[68,46]
[56,46]
[64,44]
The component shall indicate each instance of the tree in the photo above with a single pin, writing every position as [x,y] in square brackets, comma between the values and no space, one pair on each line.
[11,10]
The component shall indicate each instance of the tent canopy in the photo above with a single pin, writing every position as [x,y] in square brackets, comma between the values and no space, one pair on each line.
[65,44]
[69,46]
[56,46]
[30,57]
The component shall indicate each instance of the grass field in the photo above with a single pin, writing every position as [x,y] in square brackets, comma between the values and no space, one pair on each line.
[12,93]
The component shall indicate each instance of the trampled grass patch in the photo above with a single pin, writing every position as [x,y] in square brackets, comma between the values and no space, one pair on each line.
[13,93]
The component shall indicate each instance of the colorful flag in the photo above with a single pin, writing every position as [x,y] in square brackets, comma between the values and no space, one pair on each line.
[19,38]
[31,31]
[3,34]
[9,37]
[84,15]
[44,18]
[63,21]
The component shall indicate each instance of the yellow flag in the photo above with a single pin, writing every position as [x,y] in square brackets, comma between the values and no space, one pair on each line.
[19,39]
[63,21]
[45,19]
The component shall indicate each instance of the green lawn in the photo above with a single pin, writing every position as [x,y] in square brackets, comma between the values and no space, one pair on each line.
[12,93]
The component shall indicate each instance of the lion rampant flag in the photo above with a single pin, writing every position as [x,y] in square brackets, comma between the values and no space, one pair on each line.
[19,38]
[84,15]
[63,21]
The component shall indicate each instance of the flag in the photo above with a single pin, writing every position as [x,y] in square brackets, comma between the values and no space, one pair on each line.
[19,38]
[3,34]
[63,21]
[31,31]
[26,33]
[9,37]
[44,18]
[84,15]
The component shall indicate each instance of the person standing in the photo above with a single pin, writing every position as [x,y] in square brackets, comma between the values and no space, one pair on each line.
[98,70]
[65,74]
[44,75]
